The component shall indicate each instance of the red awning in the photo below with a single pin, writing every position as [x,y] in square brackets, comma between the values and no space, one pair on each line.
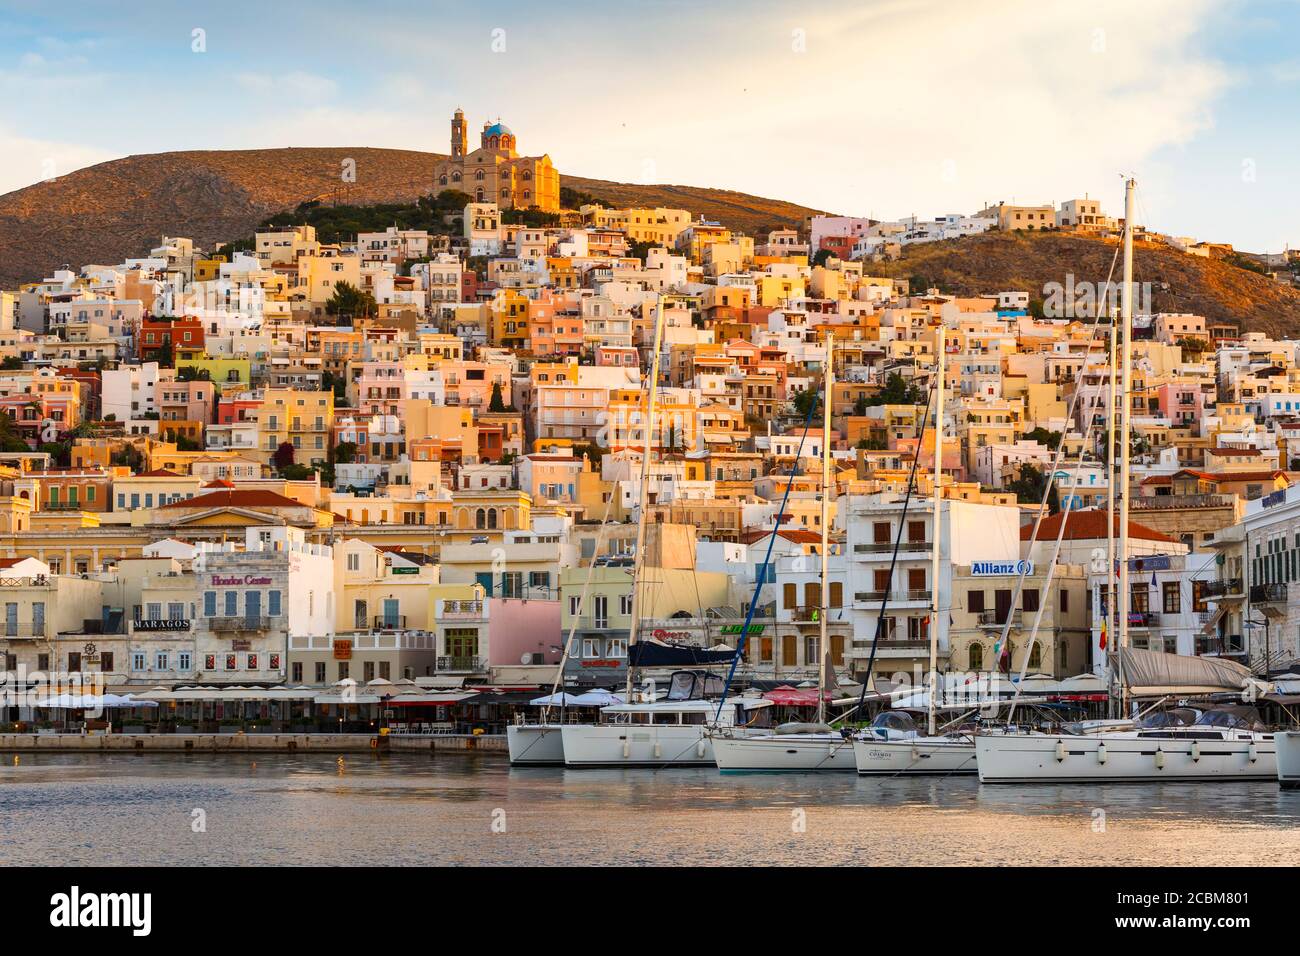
[794,696]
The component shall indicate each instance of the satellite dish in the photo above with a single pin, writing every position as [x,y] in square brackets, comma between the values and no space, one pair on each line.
[525,658]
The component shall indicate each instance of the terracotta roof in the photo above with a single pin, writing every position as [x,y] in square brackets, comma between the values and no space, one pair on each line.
[797,535]
[237,498]
[1234,452]
[10,562]
[1219,477]
[1089,525]
[219,483]
[158,473]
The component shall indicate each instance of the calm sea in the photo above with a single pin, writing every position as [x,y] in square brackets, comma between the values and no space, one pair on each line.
[364,809]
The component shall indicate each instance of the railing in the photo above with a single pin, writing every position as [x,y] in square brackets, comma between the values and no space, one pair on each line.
[1221,587]
[1214,646]
[239,623]
[16,629]
[1268,593]
[463,610]
[885,547]
[1143,619]
[999,618]
[390,622]
[471,664]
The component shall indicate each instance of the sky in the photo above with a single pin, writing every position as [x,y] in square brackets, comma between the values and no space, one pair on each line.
[886,108]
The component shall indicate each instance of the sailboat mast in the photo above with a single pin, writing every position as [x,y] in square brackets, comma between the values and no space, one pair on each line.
[827,491]
[1108,597]
[643,494]
[1126,406]
[934,547]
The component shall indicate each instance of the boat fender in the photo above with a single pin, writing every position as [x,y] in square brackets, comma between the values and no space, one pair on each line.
[627,749]
[1160,759]
[1252,753]
[1060,751]
[1101,752]
[699,748]
[1196,751]
[659,750]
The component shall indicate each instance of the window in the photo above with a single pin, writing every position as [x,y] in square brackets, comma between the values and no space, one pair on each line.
[160,660]
[975,604]
[1030,600]
[273,603]
[137,660]
[184,661]
[1172,593]
[232,603]
[625,604]
[320,672]
[209,603]
[975,656]
[1065,601]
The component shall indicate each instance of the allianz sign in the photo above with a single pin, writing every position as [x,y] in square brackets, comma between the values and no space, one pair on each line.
[985,568]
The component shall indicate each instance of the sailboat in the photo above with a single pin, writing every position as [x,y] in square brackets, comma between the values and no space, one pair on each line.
[656,732]
[798,747]
[1217,743]
[892,744]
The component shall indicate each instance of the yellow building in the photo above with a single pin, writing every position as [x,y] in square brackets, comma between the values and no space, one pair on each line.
[495,172]
[302,419]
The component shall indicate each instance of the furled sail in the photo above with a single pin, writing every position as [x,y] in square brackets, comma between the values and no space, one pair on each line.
[1152,673]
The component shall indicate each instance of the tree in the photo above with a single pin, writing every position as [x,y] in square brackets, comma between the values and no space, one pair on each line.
[822,256]
[11,362]
[805,400]
[349,300]
[345,452]
[1031,484]
[1193,346]
[496,403]
[898,391]
[292,472]
[283,456]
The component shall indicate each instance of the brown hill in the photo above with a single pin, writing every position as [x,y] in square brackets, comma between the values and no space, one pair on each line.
[1027,261]
[117,209]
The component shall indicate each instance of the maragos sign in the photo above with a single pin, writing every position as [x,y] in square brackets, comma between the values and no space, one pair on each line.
[162,625]
[222,581]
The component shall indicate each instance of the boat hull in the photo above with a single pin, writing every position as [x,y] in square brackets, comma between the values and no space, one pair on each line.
[535,745]
[920,757]
[1288,759]
[1035,759]
[784,753]
[636,745]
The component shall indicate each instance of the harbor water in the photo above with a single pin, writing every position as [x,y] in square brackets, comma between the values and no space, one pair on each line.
[404,809]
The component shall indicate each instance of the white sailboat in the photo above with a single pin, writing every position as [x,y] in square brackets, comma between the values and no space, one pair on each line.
[799,747]
[893,745]
[1216,745]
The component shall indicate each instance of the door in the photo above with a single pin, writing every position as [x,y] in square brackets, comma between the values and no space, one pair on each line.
[1002,599]
[837,650]
[484,580]
[391,618]
[789,651]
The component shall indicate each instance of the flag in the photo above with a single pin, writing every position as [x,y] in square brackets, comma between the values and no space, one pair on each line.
[1103,633]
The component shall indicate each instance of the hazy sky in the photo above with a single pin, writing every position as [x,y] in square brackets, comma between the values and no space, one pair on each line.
[883,108]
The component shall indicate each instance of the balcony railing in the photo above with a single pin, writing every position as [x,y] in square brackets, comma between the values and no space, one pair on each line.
[462,610]
[1143,619]
[1268,594]
[23,629]
[472,665]
[390,622]
[999,618]
[1221,587]
[239,623]
[886,547]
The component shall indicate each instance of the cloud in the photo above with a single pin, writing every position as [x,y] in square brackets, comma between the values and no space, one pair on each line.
[297,84]
[30,160]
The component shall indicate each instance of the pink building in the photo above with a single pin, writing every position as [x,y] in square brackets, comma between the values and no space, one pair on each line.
[380,388]
[519,627]
[1182,403]
[185,401]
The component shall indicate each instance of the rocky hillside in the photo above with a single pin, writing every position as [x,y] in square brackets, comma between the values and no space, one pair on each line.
[1215,288]
[104,213]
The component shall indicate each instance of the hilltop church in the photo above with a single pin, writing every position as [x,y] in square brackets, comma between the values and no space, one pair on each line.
[495,172]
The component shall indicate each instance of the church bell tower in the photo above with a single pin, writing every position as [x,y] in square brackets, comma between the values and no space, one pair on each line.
[459,135]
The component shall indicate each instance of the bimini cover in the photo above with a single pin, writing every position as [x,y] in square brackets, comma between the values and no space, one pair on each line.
[1153,673]
[655,654]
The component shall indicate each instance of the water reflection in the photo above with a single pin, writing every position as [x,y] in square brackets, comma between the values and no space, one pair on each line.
[319,809]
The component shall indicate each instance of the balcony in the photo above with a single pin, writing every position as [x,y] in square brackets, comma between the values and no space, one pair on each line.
[1143,619]
[239,623]
[1268,594]
[468,665]
[15,629]
[886,547]
[462,610]
[999,618]
[390,622]
[1221,588]
[912,595]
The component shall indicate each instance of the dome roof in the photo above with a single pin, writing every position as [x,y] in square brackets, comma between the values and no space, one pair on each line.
[498,129]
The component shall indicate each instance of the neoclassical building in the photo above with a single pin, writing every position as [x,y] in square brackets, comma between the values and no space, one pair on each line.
[495,172]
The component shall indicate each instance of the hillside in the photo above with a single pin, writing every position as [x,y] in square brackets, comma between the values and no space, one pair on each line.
[1214,288]
[107,212]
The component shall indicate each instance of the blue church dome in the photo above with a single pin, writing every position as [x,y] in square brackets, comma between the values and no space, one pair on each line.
[498,129]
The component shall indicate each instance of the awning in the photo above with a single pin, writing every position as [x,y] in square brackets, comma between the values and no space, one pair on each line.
[1212,625]
[655,654]
[795,696]
[430,700]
